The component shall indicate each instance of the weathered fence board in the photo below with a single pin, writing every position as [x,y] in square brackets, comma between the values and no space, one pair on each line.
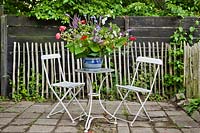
[27,66]
[4,60]
[192,70]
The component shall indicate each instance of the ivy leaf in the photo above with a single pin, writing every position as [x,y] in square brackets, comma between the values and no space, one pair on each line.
[180,29]
[192,29]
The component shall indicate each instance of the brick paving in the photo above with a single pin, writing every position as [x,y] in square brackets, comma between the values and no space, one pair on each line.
[31,117]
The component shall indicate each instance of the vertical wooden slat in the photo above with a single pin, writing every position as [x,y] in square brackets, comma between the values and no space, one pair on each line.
[24,64]
[154,67]
[43,75]
[82,78]
[18,66]
[73,67]
[14,67]
[56,49]
[128,64]
[125,68]
[144,54]
[174,69]
[195,70]
[159,78]
[63,59]
[47,63]
[109,66]
[140,49]
[37,66]
[162,71]
[107,79]
[52,70]
[136,55]
[68,65]
[166,62]
[199,69]
[170,68]
[133,59]
[119,64]
[4,60]
[32,58]
[28,65]
[115,65]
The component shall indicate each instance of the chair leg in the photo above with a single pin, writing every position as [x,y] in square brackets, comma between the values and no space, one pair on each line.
[51,113]
[64,107]
[74,98]
[142,107]
[123,101]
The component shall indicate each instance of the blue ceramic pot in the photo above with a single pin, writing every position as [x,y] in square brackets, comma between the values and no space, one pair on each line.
[92,63]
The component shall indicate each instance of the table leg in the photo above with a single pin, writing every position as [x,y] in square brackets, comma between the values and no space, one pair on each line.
[100,101]
[89,119]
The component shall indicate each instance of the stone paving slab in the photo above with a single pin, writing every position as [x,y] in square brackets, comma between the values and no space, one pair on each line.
[41,129]
[31,117]
[15,129]
[141,130]
[167,130]
[22,121]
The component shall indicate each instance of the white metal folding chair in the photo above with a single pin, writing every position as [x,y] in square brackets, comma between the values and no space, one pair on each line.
[142,64]
[69,87]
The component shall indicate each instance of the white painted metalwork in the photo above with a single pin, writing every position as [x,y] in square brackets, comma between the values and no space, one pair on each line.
[91,94]
[137,89]
[62,83]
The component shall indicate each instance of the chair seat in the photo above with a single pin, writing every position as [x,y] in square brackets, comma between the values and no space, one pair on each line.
[134,88]
[67,84]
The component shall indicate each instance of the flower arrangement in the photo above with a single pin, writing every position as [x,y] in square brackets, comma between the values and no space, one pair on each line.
[89,38]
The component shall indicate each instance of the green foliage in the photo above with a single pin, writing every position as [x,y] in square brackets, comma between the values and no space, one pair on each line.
[193,105]
[140,9]
[22,92]
[180,37]
[56,9]
[157,97]
[3,98]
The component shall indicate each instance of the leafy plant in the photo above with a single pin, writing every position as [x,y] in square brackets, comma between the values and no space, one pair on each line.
[90,38]
[157,97]
[193,105]
[180,37]
[22,92]
[3,98]
[56,9]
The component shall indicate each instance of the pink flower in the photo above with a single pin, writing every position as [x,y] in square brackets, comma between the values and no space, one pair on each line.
[58,36]
[132,38]
[62,28]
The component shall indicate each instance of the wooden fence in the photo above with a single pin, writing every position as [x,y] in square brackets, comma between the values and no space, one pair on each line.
[27,66]
[192,70]
[21,60]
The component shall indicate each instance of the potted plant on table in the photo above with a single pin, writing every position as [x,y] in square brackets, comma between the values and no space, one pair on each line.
[90,40]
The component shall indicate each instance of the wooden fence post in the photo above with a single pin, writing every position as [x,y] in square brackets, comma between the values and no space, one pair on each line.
[4,75]
[1,10]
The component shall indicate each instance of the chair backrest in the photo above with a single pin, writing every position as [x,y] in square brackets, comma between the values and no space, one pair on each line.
[52,66]
[149,69]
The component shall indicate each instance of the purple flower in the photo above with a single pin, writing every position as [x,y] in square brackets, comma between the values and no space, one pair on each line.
[75,22]
[129,30]
[98,28]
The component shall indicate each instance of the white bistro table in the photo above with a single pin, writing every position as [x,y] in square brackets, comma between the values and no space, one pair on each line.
[91,94]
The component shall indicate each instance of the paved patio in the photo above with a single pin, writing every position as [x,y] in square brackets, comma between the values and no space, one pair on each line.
[31,117]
